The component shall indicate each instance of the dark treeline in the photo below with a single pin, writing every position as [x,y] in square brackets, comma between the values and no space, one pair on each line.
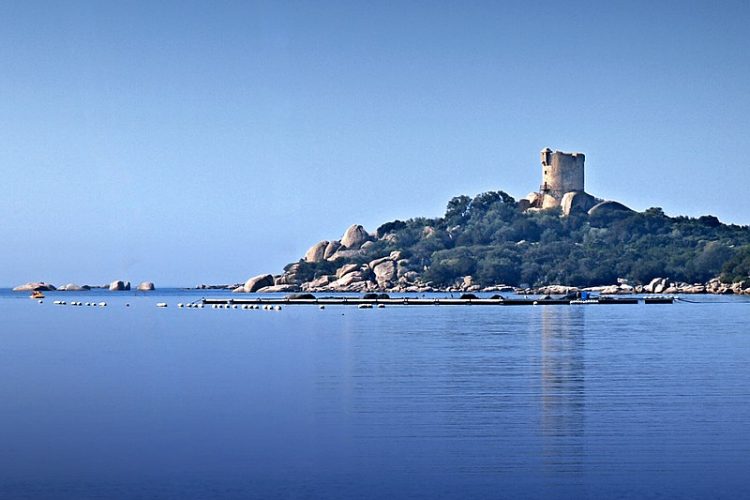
[489,238]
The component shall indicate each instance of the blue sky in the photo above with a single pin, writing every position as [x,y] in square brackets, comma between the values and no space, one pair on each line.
[205,142]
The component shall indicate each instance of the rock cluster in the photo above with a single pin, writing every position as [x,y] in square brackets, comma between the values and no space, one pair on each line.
[357,269]
[118,285]
[40,286]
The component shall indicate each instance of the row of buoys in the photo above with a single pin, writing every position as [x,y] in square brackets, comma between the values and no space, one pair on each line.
[369,306]
[76,303]
[266,307]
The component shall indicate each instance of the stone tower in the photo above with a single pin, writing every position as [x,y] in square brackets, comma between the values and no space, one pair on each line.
[561,172]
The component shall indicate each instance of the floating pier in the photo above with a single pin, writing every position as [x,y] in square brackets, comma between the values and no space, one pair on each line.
[424,301]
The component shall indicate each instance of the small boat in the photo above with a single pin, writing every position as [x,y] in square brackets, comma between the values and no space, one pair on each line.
[36,294]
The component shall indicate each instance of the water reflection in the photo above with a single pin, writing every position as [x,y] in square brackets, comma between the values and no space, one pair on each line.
[562,381]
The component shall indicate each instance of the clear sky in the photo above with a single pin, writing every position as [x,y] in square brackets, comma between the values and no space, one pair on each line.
[206,142]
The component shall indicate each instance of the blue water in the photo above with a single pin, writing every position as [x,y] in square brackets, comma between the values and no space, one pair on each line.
[404,402]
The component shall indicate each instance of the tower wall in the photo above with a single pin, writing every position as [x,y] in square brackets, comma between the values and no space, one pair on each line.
[562,172]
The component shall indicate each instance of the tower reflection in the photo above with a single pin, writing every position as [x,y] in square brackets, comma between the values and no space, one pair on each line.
[563,386]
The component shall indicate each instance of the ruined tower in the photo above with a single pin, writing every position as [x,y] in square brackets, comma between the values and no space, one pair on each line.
[561,173]
[562,186]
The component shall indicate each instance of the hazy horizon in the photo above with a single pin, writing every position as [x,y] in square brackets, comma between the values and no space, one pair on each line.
[188,143]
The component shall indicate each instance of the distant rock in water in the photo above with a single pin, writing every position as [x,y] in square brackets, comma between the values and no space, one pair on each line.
[119,286]
[35,285]
[354,237]
[256,283]
[146,286]
[72,287]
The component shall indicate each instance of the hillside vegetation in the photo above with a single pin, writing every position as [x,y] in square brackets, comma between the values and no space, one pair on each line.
[491,239]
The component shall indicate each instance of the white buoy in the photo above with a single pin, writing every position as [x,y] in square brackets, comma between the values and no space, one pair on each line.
[200,306]
[181,305]
[161,304]
[381,306]
[102,304]
[277,308]
[322,307]
[234,306]
[40,301]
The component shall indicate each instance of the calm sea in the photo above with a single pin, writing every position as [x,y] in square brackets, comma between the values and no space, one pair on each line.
[596,401]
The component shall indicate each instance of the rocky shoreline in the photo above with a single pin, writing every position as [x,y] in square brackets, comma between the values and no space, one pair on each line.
[115,286]
[396,274]
[357,283]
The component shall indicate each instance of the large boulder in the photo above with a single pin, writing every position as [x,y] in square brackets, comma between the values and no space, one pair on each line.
[146,286]
[344,254]
[316,253]
[346,269]
[609,209]
[331,249]
[348,279]
[321,282]
[354,236]
[656,284]
[577,202]
[40,286]
[385,273]
[119,286]
[373,264]
[256,283]
[279,288]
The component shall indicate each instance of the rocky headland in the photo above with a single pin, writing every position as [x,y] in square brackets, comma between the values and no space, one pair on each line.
[395,274]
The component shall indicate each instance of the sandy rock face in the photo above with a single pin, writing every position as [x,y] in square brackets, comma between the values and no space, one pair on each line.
[257,282]
[354,237]
[146,286]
